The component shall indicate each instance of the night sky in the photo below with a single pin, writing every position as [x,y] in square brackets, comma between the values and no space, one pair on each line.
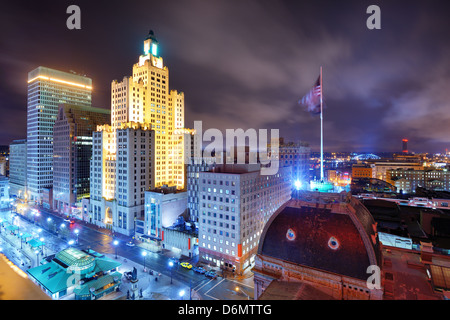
[245,64]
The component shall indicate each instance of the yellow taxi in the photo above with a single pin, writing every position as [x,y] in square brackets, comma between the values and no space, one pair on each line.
[186,265]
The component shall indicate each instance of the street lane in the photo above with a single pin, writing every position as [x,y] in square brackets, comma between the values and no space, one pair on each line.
[57,238]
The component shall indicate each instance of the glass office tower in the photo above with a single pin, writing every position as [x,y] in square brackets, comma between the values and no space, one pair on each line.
[72,153]
[47,89]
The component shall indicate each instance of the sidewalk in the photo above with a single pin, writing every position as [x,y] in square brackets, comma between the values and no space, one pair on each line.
[162,289]
[19,247]
[105,231]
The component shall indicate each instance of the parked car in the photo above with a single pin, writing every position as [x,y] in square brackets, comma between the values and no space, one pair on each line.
[186,265]
[200,270]
[211,274]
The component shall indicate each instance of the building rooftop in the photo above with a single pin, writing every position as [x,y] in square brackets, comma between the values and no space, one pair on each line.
[283,290]
[55,274]
[406,276]
[330,237]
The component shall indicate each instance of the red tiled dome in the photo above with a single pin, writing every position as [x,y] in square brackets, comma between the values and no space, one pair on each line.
[321,239]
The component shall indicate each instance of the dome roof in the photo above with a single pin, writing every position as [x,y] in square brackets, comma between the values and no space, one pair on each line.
[76,260]
[336,242]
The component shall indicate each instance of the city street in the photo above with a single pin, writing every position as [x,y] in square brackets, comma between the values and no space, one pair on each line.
[58,233]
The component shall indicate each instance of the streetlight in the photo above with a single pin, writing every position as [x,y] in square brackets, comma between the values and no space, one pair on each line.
[71,242]
[42,245]
[76,232]
[37,257]
[171,268]
[115,244]
[62,227]
[181,293]
[144,254]
[49,220]
[20,236]
[238,289]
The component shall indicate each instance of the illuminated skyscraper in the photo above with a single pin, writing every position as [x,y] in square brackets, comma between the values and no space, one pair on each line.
[72,152]
[235,202]
[144,143]
[47,89]
[18,168]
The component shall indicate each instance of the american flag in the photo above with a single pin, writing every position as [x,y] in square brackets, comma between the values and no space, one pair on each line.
[311,101]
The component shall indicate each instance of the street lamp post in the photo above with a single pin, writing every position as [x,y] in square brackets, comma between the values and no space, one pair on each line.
[62,227]
[37,257]
[20,236]
[115,244]
[76,232]
[42,246]
[49,220]
[144,254]
[171,270]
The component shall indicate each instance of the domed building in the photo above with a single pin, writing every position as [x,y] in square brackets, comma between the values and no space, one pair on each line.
[84,273]
[318,250]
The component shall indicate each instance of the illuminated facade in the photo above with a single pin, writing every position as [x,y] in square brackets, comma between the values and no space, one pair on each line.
[407,181]
[47,89]
[360,170]
[72,151]
[121,171]
[145,98]
[4,192]
[193,170]
[162,208]
[18,168]
[297,156]
[143,148]
[235,202]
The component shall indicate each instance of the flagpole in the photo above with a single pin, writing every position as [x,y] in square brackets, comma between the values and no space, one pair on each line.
[321,126]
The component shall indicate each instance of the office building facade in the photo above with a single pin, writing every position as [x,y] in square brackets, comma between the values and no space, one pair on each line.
[47,89]
[18,169]
[193,170]
[143,148]
[163,206]
[121,171]
[235,203]
[4,192]
[407,181]
[72,152]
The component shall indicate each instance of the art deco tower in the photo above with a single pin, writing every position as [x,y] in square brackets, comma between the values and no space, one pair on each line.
[143,148]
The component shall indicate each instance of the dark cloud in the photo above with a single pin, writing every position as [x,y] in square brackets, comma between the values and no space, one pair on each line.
[245,64]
